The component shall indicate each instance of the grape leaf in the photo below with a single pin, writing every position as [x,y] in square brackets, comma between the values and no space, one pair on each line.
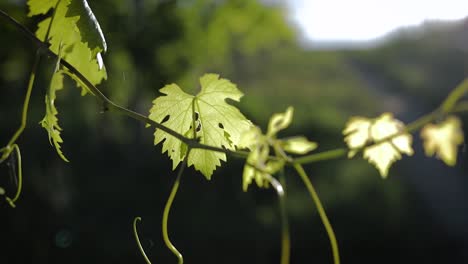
[259,150]
[280,121]
[443,139]
[357,130]
[90,30]
[217,123]
[38,7]
[360,131]
[298,145]
[72,28]
[258,166]
[50,120]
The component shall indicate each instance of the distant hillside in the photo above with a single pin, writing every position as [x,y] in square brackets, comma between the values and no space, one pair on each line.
[320,84]
[423,62]
[440,32]
[409,73]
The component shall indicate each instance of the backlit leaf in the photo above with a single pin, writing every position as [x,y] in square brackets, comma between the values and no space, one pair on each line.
[77,31]
[443,139]
[217,123]
[256,161]
[359,131]
[90,30]
[50,120]
[38,7]
[258,165]
[298,145]
[280,121]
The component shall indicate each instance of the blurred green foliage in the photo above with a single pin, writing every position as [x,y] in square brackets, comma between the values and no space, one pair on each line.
[116,173]
[216,32]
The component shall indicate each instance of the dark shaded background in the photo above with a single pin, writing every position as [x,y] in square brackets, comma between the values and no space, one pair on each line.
[82,211]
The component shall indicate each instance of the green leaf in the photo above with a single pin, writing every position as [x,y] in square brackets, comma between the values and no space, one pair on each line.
[298,145]
[217,123]
[38,7]
[280,121]
[88,67]
[90,30]
[357,133]
[77,31]
[50,120]
[256,161]
[63,30]
[360,130]
[257,166]
[443,139]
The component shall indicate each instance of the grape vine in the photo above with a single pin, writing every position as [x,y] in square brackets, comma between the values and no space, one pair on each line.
[203,130]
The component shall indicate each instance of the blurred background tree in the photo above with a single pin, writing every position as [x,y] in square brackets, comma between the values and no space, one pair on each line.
[82,211]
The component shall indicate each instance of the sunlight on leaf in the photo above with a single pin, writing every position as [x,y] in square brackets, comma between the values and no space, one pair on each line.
[360,131]
[280,121]
[217,123]
[259,150]
[50,121]
[298,145]
[90,29]
[443,139]
[38,7]
[258,167]
[75,28]
[357,131]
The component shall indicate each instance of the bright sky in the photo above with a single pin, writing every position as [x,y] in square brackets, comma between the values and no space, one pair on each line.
[354,20]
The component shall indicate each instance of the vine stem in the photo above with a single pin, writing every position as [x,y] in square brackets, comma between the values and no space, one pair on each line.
[32,77]
[460,107]
[325,155]
[447,106]
[20,178]
[167,209]
[24,114]
[6,151]
[140,247]
[454,96]
[321,211]
[285,239]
